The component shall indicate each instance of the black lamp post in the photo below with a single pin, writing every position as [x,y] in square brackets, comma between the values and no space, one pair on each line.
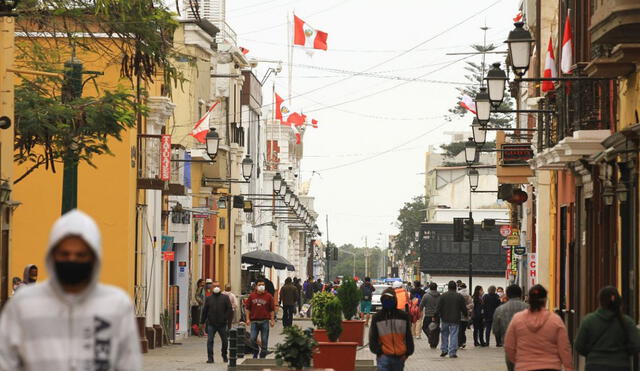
[496,83]
[519,43]
[479,133]
[247,168]
[483,106]
[213,143]
[7,7]
[470,151]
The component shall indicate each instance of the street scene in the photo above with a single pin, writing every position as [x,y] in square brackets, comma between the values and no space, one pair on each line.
[339,185]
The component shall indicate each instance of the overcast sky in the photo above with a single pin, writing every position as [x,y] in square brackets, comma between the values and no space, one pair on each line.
[369,149]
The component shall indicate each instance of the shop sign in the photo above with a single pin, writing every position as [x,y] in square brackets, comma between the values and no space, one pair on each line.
[520,250]
[514,238]
[532,268]
[515,259]
[208,240]
[165,157]
[505,245]
[508,270]
[168,256]
[516,154]
[505,230]
[167,243]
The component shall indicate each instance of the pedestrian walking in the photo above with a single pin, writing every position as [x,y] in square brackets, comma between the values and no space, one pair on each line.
[70,320]
[466,319]
[477,317]
[501,295]
[417,292]
[318,286]
[260,310]
[490,302]
[288,299]
[390,336]
[607,338]
[451,309]
[415,314]
[208,288]
[367,291]
[296,283]
[504,314]
[217,315]
[308,294]
[198,298]
[17,282]
[234,303]
[537,338]
[402,296]
[29,276]
[431,322]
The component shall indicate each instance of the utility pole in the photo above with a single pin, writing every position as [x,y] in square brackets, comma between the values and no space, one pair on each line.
[71,90]
[366,257]
[328,256]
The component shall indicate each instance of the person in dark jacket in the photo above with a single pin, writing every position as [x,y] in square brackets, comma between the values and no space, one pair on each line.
[490,302]
[288,299]
[476,317]
[608,338]
[429,306]
[366,291]
[217,314]
[390,337]
[451,309]
[504,314]
[298,286]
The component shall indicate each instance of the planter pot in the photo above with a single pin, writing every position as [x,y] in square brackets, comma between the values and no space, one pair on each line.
[353,331]
[320,335]
[340,356]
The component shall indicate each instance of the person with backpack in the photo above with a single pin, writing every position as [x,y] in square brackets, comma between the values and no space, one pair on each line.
[367,290]
[607,338]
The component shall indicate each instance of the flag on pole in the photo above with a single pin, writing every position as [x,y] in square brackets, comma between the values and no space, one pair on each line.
[314,123]
[518,17]
[244,51]
[296,119]
[282,111]
[307,36]
[468,103]
[567,47]
[200,130]
[549,68]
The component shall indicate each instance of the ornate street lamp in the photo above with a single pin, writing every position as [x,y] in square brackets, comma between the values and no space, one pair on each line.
[496,83]
[479,133]
[222,203]
[470,151]
[287,196]
[5,192]
[608,195]
[474,178]
[277,179]
[7,7]
[519,43]
[213,142]
[247,168]
[621,192]
[483,106]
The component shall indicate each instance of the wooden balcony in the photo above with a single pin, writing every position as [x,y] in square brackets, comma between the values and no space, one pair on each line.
[615,21]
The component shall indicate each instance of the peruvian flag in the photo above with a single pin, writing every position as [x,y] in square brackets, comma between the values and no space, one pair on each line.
[468,104]
[549,68]
[286,117]
[518,17]
[296,119]
[314,123]
[296,131]
[244,51]
[307,36]
[200,130]
[567,48]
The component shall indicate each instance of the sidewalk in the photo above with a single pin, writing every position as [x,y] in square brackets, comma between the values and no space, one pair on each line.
[192,355]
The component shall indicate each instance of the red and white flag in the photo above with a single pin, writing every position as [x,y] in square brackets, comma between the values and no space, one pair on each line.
[468,103]
[244,51]
[314,123]
[518,17]
[567,48]
[549,68]
[286,117]
[202,126]
[296,131]
[307,36]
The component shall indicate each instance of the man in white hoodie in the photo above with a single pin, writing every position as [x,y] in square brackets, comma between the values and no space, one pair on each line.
[70,322]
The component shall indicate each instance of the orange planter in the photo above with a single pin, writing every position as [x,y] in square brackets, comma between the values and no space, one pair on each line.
[353,331]
[340,356]
[320,335]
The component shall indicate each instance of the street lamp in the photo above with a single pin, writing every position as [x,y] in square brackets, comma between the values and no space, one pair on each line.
[470,151]
[222,203]
[5,192]
[277,183]
[474,177]
[496,83]
[287,196]
[213,142]
[7,7]
[519,43]
[483,106]
[621,192]
[479,133]
[247,168]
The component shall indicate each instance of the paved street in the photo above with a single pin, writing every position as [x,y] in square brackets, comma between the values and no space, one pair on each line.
[191,355]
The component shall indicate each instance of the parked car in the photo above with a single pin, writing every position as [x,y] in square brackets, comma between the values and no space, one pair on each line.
[376,305]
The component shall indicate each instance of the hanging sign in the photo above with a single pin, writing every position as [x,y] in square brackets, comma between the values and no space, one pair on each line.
[514,238]
[532,269]
[505,230]
[165,157]
[516,154]
[505,245]
[168,256]
[520,250]
[508,270]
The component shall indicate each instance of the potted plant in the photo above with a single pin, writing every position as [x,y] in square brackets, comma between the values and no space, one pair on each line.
[318,304]
[297,348]
[340,356]
[349,295]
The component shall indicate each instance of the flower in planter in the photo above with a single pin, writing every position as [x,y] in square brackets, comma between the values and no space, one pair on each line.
[297,348]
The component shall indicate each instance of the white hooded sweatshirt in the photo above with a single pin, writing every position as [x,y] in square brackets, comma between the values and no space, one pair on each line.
[44,328]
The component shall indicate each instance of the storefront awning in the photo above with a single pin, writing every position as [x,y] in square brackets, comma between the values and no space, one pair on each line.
[267,259]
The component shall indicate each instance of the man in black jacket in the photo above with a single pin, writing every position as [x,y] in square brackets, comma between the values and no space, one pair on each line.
[217,314]
[288,299]
[451,308]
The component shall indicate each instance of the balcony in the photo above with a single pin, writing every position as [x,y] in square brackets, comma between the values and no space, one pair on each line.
[149,162]
[615,21]
[178,168]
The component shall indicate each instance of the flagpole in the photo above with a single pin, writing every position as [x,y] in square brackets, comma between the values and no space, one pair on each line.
[290,47]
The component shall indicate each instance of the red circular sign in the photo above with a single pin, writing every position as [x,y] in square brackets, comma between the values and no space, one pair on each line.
[505,230]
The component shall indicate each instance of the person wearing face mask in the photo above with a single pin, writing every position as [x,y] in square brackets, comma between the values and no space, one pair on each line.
[390,337]
[260,309]
[88,325]
[217,315]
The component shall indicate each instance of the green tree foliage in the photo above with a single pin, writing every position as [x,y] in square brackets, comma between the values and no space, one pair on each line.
[297,348]
[349,296]
[318,307]
[344,265]
[475,75]
[333,319]
[409,218]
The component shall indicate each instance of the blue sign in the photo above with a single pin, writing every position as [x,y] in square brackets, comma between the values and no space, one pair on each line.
[167,243]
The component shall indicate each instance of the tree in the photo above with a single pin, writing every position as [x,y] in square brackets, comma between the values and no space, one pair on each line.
[344,265]
[410,216]
[475,77]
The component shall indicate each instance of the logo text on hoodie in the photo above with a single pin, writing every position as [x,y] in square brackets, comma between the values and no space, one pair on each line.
[102,346]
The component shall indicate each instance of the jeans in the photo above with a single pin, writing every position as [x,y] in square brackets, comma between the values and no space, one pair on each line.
[390,363]
[462,333]
[478,331]
[211,333]
[432,336]
[287,315]
[449,338]
[487,331]
[261,326]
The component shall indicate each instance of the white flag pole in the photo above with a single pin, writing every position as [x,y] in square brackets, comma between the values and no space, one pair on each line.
[290,44]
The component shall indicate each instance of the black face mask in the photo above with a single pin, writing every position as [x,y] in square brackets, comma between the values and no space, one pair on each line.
[72,273]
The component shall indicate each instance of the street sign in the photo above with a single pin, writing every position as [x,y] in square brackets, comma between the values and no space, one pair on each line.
[505,245]
[520,250]
[505,230]
[168,256]
[514,238]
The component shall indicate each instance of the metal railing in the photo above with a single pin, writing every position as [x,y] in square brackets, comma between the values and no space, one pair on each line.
[226,34]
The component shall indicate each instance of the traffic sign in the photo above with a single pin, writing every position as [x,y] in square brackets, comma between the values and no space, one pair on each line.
[505,245]
[505,230]
[514,238]
[520,250]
